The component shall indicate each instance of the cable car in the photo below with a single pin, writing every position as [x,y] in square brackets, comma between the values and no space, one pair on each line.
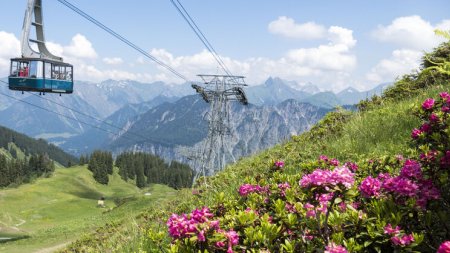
[38,69]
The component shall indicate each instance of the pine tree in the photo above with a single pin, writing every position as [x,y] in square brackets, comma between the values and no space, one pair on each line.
[100,173]
[4,178]
[140,177]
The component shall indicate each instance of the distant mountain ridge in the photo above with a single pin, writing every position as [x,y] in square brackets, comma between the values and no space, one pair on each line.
[98,101]
[168,129]
[272,92]
[144,112]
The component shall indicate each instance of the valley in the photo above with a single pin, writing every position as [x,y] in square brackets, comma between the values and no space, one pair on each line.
[61,209]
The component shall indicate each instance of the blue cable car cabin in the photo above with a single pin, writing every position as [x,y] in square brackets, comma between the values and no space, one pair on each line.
[40,75]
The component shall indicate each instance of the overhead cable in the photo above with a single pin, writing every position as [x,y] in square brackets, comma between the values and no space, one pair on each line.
[121,38]
[183,12]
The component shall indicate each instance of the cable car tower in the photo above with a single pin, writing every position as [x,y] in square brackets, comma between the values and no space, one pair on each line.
[218,91]
[38,69]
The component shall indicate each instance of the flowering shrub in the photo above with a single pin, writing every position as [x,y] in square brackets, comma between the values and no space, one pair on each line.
[246,189]
[444,248]
[380,205]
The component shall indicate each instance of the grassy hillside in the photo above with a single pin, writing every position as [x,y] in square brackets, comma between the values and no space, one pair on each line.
[373,138]
[380,133]
[53,211]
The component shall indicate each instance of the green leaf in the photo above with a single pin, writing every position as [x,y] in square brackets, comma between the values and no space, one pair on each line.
[367,243]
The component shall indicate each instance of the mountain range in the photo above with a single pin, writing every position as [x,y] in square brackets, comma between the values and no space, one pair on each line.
[119,115]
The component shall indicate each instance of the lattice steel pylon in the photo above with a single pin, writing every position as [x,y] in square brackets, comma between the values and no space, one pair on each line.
[218,91]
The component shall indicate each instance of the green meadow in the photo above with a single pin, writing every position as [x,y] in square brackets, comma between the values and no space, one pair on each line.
[51,212]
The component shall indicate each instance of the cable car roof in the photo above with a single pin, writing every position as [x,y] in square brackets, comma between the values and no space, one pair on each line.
[60,63]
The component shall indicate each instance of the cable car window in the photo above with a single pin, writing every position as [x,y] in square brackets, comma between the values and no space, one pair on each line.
[48,70]
[55,72]
[69,73]
[35,69]
[14,68]
[23,69]
[62,74]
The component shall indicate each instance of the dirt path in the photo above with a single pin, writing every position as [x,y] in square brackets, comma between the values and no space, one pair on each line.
[53,248]
[20,223]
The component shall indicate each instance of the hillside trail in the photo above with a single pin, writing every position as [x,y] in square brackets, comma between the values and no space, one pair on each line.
[53,248]
[20,223]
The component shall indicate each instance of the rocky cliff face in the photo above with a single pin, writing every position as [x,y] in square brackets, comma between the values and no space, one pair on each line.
[254,128]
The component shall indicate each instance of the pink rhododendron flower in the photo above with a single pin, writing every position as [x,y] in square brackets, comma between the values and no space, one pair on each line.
[233,237]
[355,205]
[399,158]
[401,186]
[326,178]
[415,133]
[445,109]
[425,128]
[334,248]
[370,187]
[201,215]
[283,187]
[290,208]
[445,96]
[307,236]
[405,240]
[352,166]
[410,183]
[325,197]
[308,205]
[201,236]
[220,244]
[391,231]
[310,214]
[334,162]
[430,156]
[411,169]
[445,160]
[323,158]
[428,104]
[183,226]
[444,248]
[246,189]
[434,118]
[427,192]
[279,164]
[342,175]
[383,176]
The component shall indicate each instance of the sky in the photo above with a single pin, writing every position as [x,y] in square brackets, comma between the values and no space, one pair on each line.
[331,44]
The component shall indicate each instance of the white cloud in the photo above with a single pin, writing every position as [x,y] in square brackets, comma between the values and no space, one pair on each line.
[334,56]
[328,65]
[9,48]
[80,47]
[113,61]
[341,36]
[287,27]
[411,32]
[401,62]
[55,49]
